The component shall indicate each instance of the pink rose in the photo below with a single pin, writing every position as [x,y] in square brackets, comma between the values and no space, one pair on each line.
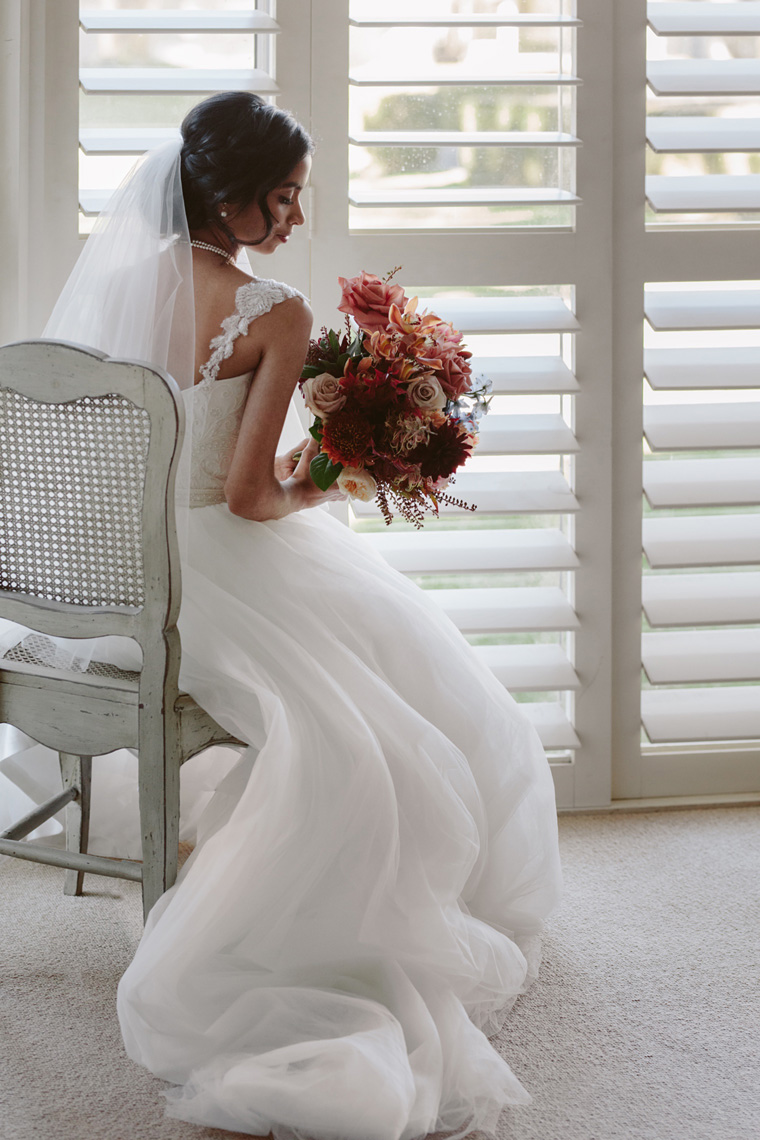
[368,300]
[323,395]
[455,374]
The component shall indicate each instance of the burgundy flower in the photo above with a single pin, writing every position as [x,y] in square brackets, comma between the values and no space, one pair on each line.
[447,448]
[373,389]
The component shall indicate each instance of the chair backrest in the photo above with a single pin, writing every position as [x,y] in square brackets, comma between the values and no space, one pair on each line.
[88,456]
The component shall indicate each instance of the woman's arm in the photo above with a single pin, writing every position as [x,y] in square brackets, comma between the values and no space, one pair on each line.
[252,489]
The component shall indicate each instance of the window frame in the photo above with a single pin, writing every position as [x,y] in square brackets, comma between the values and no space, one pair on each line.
[608,257]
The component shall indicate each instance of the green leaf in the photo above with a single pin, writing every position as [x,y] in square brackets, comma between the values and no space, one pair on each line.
[334,342]
[309,371]
[316,431]
[344,356]
[323,471]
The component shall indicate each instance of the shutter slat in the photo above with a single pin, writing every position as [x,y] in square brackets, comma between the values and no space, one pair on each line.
[529,668]
[675,369]
[683,310]
[681,194]
[704,76]
[689,19]
[467,20]
[124,140]
[550,722]
[671,134]
[702,482]
[692,656]
[525,435]
[472,196]
[503,314]
[172,80]
[453,78]
[531,492]
[683,715]
[455,551]
[91,202]
[138,21]
[507,609]
[525,374]
[688,427]
[720,540]
[463,138]
[701,599]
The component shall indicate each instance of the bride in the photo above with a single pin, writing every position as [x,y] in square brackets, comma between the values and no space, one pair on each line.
[371,878]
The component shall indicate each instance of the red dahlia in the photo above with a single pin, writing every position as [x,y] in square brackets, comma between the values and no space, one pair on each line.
[346,437]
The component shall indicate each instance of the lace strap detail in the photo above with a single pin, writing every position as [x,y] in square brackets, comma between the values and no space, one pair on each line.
[253,299]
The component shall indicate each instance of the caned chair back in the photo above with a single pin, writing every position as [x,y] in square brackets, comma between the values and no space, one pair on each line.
[88,453]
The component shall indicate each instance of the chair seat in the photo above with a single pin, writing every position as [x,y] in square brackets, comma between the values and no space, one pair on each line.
[37,649]
[54,712]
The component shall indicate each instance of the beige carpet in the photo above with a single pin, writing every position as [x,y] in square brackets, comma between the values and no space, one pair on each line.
[643,1025]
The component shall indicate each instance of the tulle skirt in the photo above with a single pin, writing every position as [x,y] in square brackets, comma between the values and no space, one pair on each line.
[372,876]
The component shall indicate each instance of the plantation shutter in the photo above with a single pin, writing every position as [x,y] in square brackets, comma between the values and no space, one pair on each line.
[451,142]
[142,68]
[518,629]
[700,415]
[575,186]
[694,80]
[701,642]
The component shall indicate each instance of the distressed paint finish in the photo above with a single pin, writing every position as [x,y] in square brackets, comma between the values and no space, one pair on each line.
[82,715]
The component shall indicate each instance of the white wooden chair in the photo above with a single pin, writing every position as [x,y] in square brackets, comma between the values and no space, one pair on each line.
[88,457]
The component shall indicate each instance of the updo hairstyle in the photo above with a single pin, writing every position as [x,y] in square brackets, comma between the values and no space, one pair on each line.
[236,148]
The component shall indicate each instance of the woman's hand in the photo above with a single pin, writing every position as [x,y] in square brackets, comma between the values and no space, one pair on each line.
[285,465]
[303,486]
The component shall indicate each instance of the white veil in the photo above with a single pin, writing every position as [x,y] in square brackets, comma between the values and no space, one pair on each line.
[131,291]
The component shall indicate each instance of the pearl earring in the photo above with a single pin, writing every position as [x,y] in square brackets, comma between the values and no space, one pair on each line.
[223,213]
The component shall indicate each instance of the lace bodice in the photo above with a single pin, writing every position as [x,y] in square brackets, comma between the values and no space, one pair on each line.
[217,405]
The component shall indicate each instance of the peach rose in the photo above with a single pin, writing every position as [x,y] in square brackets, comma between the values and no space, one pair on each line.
[323,395]
[368,300]
[357,484]
[426,392]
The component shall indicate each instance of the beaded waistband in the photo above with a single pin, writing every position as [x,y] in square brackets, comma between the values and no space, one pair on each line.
[206,496]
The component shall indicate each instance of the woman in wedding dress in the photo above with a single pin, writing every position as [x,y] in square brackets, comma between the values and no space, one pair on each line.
[371,879]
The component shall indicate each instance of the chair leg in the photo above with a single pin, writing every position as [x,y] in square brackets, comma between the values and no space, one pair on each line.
[76,771]
[159,815]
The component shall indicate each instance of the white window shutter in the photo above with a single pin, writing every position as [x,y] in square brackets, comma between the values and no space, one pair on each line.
[128,128]
[704,639]
[580,238]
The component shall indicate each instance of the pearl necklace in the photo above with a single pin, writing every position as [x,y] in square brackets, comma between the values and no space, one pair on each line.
[214,249]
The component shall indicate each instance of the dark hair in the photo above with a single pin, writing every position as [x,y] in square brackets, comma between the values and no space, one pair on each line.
[237,148]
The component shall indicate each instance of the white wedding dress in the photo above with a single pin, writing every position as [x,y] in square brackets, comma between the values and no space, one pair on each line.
[372,876]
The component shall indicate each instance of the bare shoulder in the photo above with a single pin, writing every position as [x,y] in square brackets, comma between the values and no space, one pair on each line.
[285,325]
[293,312]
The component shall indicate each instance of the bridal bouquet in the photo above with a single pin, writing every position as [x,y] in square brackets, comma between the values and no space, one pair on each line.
[396,411]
